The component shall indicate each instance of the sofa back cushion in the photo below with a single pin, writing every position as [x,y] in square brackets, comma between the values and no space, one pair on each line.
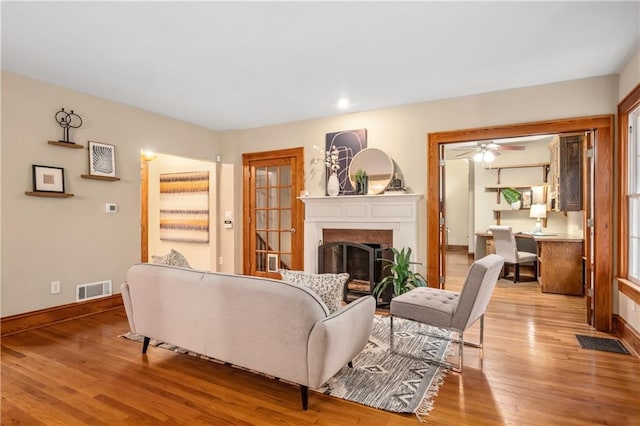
[330,287]
[165,304]
[259,323]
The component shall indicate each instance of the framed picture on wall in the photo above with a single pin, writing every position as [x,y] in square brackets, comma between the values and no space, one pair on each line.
[102,159]
[526,199]
[48,179]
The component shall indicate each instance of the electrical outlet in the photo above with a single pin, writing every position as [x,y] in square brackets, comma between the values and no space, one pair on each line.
[55,287]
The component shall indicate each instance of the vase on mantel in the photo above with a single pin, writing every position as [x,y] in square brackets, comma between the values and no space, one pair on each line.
[333,185]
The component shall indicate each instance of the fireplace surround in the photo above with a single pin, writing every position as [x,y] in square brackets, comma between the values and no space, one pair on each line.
[387,212]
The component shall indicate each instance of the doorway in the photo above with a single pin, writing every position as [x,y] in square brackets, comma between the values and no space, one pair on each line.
[602,128]
[192,234]
[273,216]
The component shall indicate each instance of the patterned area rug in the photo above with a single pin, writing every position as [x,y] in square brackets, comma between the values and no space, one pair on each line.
[381,379]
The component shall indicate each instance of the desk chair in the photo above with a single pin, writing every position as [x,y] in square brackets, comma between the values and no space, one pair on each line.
[451,310]
[506,247]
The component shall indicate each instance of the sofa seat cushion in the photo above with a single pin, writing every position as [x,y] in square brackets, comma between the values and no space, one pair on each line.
[330,287]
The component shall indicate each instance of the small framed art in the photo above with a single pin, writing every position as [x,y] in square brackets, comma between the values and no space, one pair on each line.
[526,199]
[272,262]
[48,179]
[102,159]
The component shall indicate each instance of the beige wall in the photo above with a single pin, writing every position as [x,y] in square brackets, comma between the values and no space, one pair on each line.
[73,240]
[629,76]
[402,131]
[457,197]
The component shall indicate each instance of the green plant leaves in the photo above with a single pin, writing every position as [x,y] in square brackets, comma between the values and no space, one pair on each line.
[401,277]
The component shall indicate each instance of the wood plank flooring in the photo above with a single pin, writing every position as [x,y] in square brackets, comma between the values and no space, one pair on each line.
[533,373]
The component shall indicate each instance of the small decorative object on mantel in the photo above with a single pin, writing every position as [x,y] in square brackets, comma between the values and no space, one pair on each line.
[333,184]
[67,120]
[362,182]
[102,159]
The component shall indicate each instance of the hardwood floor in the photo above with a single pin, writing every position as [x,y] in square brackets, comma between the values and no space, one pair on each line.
[533,373]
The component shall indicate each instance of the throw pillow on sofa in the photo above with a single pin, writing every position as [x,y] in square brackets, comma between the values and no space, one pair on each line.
[174,258]
[329,287]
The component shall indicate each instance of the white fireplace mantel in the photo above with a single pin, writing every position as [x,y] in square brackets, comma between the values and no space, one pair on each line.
[396,212]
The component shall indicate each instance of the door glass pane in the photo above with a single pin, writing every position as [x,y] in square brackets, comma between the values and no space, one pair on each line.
[261,198]
[274,241]
[261,219]
[285,241]
[261,240]
[273,176]
[261,262]
[273,197]
[285,197]
[285,219]
[285,176]
[261,177]
[285,261]
[273,220]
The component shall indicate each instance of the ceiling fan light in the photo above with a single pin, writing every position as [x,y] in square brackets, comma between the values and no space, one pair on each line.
[477,157]
[489,157]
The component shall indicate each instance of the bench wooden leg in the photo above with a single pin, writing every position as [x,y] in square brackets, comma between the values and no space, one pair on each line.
[145,344]
[304,395]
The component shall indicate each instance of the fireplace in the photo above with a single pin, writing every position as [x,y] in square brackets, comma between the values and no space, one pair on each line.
[332,219]
[363,264]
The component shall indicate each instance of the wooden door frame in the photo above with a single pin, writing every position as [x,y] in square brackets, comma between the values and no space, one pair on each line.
[297,181]
[603,192]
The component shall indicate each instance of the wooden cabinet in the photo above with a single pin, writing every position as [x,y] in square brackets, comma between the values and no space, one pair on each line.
[560,266]
[565,173]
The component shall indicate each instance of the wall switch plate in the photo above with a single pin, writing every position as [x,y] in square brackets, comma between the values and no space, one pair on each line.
[55,287]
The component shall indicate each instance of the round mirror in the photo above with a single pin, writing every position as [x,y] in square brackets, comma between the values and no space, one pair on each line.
[377,165]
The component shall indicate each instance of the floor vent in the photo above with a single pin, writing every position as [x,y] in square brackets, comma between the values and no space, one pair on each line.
[93,290]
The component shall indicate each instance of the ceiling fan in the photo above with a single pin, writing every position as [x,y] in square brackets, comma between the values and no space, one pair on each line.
[486,152]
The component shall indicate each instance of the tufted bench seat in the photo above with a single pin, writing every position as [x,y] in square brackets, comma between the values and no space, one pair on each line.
[451,310]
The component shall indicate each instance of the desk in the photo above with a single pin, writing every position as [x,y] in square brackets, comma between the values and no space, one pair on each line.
[559,259]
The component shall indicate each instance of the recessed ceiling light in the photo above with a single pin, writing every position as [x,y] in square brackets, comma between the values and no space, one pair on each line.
[343,103]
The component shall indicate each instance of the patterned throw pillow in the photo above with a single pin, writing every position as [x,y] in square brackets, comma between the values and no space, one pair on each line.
[174,258]
[329,287]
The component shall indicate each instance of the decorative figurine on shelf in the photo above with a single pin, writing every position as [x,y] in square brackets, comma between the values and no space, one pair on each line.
[67,120]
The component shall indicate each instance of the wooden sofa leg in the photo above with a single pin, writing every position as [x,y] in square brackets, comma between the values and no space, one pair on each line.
[304,395]
[145,344]
[350,364]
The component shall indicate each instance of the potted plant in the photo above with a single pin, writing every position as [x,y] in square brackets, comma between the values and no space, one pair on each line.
[362,181]
[401,277]
[512,197]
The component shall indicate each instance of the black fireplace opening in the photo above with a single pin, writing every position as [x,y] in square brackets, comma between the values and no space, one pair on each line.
[361,262]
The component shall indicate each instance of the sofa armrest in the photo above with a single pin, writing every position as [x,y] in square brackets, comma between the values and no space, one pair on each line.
[126,300]
[337,339]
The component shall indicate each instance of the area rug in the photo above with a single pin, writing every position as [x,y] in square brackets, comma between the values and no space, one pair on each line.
[381,379]
[601,344]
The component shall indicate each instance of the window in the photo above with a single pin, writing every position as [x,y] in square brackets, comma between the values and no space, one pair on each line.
[629,195]
[633,195]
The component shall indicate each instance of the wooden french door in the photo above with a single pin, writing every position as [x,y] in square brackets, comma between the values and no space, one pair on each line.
[602,193]
[273,233]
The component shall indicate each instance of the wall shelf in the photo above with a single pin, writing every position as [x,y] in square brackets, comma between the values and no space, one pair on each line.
[544,166]
[48,194]
[72,145]
[105,178]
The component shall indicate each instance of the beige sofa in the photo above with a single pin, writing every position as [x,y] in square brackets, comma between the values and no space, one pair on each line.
[264,325]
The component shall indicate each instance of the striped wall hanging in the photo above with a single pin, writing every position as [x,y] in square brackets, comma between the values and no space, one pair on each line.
[184,207]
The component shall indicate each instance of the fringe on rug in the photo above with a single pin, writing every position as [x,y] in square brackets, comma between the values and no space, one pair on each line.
[426,405]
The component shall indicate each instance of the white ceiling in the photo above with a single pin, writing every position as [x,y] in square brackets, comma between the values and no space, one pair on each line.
[237,65]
